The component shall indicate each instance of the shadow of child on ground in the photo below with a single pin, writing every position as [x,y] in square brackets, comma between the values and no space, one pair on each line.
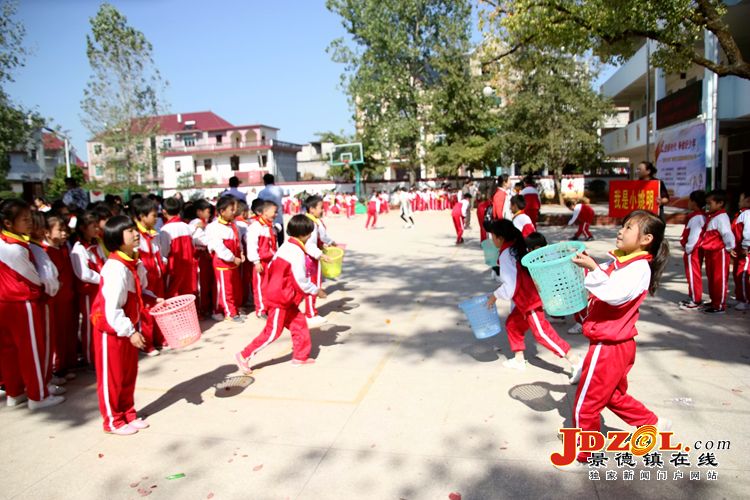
[319,337]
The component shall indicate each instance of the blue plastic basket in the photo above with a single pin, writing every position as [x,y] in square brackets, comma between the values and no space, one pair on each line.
[559,281]
[484,322]
[491,253]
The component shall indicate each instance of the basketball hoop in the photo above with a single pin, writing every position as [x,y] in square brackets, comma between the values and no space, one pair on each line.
[346,162]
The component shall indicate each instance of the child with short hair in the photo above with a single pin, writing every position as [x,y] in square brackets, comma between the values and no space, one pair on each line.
[483,206]
[176,245]
[617,290]
[527,313]
[319,239]
[261,247]
[199,217]
[459,213]
[741,253]
[693,254]
[286,286]
[520,219]
[117,309]
[531,197]
[717,242]
[583,216]
[87,258]
[22,331]
[146,216]
[225,247]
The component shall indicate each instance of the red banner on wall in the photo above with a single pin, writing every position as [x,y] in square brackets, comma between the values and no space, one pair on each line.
[626,196]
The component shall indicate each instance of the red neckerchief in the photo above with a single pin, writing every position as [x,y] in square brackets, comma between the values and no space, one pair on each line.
[266,223]
[17,239]
[233,226]
[92,249]
[697,212]
[619,264]
[132,265]
[295,241]
[176,218]
[150,250]
[710,216]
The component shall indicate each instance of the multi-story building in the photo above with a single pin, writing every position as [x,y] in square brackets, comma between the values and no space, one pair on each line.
[203,149]
[313,160]
[691,113]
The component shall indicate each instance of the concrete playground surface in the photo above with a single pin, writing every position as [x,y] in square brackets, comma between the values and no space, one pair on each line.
[403,402]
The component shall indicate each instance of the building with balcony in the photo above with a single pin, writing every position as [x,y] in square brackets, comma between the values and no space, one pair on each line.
[679,102]
[204,150]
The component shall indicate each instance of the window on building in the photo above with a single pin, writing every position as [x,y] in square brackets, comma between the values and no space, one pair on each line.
[118,149]
[219,138]
[263,161]
[189,140]
[207,164]
[97,149]
[32,154]
[177,166]
[195,165]
[166,143]
[234,161]
[139,148]
[99,170]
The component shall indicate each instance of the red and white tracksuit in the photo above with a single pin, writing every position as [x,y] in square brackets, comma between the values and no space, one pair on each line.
[459,213]
[87,260]
[501,205]
[617,290]
[527,313]
[117,309]
[717,241]
[314,249]
[176,245]
[583,215]
[523,223]
[286,286]
[373,207]
[204,268]
[693,256]
[246,268]
[48,274]
[533,203]
[22,336]
[149,253]
[224,245]
[741,230]
[260,242]
[64,310]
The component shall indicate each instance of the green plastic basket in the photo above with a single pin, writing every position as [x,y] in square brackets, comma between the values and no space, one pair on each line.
[559,281]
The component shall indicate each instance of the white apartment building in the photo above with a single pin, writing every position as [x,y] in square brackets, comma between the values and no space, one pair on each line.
[680,105]
[313,160]
[204,150]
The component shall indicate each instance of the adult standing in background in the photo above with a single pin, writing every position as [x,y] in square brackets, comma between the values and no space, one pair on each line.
[501,199]
[274,193]
[234,183]
[647,172]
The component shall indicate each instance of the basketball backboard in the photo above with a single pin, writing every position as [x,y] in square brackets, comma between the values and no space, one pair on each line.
[347,154]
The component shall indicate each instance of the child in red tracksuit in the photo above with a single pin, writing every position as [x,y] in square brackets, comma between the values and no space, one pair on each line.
[518,287]
[87,258]
[64,303]
[717,242]
[117,309]
[373,208]
[459,213]
[286,286]
[22,337]
[176,245]
[199,216]
[314,246]
[617,290]
[226,251]
[261,247]
[532,199]
[693,255]
[583,216]
[521,220]
[741,253]
[146,215]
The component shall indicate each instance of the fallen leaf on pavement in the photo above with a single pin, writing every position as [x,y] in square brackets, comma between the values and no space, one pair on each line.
[101,455]
[454,496]
[257,468]
[144,492]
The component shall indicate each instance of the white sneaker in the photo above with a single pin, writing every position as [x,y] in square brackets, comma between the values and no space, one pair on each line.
[575,374]
[58,380]
[514,364]
[55,389]
[663,425]
[139,424]
[217,317]
[742,306]
[316,321]
[576,329]
[125,430]
[153,354]
[46,402]
[16,401]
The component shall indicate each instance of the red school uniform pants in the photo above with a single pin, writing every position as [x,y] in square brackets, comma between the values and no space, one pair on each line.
[693,263]
[372,215]
[458,224]
[205,280]
[742,278]
[604,384]
[116,371]
[583,229]
[315,276]
[278,319]
[228,290]
[64,312]
[717,272]
[22,349]
[259,283]
[85,301]
[518,323]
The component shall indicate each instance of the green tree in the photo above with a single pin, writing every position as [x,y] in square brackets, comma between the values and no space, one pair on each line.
[16,122]
[391,70]
[56,187]
[552,115]
[615,29]
[122,94]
